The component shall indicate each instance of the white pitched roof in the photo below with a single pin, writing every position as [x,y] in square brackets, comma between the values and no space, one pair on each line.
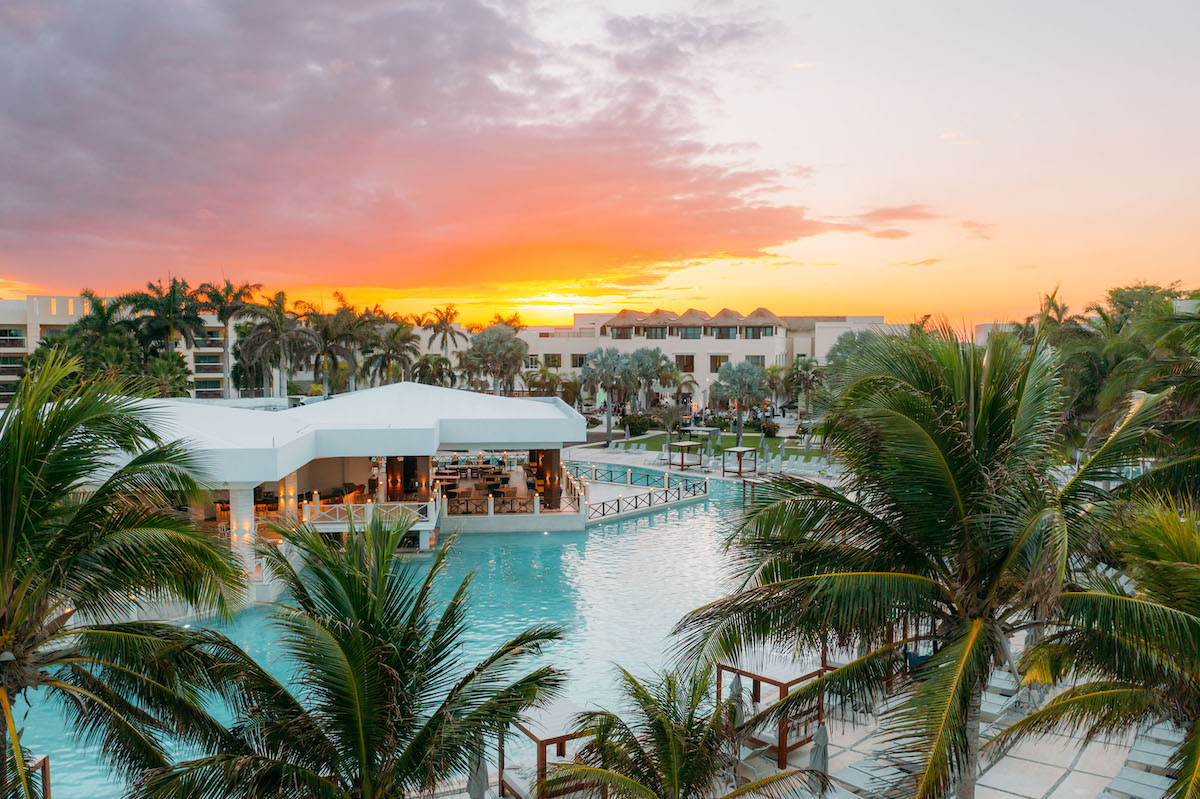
[237,445]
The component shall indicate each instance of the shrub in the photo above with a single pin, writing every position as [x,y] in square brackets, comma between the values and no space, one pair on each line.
[592,421]
[636,424]
[770,429]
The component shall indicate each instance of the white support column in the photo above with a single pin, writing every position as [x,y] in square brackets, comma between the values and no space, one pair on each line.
[242,526]
[291,486]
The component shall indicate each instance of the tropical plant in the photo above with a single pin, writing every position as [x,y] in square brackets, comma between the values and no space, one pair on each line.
[647,365]
[442,328]
[101,321]
[676,380]
[948,529]
[671,417]
[543,382]
[168,375]
[166,314]
[393,353]
[87,537]
[277,339]
[677,743]
[512,321]
[804,377]
[744,384]
[606,370]
[1129,646]
[571,389]
[434,370]
[227,301]
[498,353]
[333,339]
[383,705]
[779,383]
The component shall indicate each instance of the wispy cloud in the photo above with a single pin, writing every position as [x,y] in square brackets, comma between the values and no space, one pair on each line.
[977,230]
[923,262]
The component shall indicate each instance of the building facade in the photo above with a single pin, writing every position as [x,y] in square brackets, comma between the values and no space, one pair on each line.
[24,323]
[699,343]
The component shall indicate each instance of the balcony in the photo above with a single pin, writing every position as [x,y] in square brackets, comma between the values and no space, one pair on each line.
[8,370]
[209,369]
[210,342]
[12,342]
[209,393]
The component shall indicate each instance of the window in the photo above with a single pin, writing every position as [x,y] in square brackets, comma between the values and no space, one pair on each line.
[685,363]
[622,332]
[692,333]
[531,361]
[725,333]
[208,385]
[578,360]
[757,360]
[758,332]
[656,332]
[553,360]
[716,361]
[208,359]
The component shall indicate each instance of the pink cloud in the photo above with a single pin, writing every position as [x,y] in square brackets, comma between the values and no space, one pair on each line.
[371,142]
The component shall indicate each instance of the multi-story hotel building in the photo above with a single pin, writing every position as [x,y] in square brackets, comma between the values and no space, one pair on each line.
[23,324]
[699,343]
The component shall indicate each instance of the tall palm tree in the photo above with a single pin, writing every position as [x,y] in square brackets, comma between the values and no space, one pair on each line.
[498,353]
[513,321]
[671,417]
[571,388]
[804,377]
[168,375]
[82,546]
[228,301]
[166,314]
[383,705]
[393,354]
[677,743]
[1130,649]
[434,370]
[744,384]
[648,365]
[947,529]
[607,370]
[333,338]
[442,327]
[277,338]
[779,384]
[101,320]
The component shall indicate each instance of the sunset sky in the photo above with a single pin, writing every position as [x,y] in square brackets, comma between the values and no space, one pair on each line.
[901,158]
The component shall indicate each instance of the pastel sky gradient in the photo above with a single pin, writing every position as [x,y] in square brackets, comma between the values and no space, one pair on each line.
[552,156]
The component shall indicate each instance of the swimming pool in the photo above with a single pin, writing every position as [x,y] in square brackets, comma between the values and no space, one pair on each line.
[617,588]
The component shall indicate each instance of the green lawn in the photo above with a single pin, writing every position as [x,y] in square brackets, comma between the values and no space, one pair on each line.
[656,440]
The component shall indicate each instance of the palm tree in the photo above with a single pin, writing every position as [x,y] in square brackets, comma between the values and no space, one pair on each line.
[228,302]
[647,366]
[383,704]
[779,384]
[334,338]
[168,375]
[676,744]
[572,389]
[434,370]
[543,382]
[1130,649]
[677,380]
[744,384]
[512,321]
[395,351]
[277,338]
[805,378]
[606,370]
[166,313]
[671,417]
[947,529]
[497,352]
[84,544]
[441,326]
[101,320]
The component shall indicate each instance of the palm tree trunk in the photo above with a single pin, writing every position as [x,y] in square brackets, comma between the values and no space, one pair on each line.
[324,377]
[608,420]
[282,387]
[739,424]
[970,772]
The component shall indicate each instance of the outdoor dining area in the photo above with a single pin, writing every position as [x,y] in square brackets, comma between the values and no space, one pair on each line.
[509,480]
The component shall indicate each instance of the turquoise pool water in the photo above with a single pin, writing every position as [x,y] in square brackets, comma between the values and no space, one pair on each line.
[618,588]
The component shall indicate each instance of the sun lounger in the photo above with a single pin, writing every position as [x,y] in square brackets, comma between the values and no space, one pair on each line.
[1139,784]
[872,777]
[1165,733]
[1151,754]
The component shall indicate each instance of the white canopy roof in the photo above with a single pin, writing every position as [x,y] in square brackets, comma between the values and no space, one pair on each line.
[237,445]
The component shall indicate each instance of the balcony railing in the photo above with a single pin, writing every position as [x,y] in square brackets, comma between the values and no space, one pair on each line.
[209,368]
[210,342]
[12,342]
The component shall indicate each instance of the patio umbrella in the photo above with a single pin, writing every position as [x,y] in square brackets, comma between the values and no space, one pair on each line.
[818,758]
[477,778]
[710,444]
[739,705]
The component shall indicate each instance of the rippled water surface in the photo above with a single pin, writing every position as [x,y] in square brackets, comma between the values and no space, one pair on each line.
[617,588]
